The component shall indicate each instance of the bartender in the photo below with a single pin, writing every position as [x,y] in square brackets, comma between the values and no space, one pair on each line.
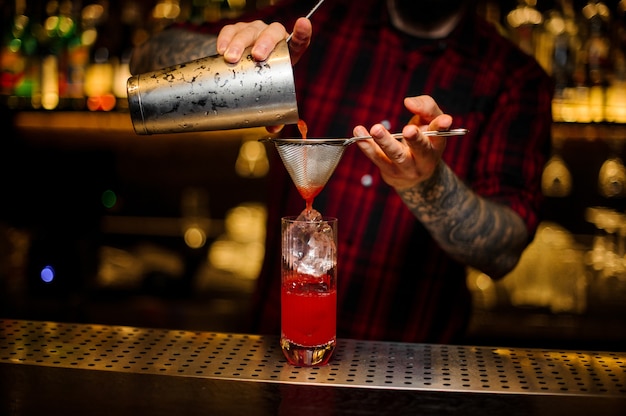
[414,213]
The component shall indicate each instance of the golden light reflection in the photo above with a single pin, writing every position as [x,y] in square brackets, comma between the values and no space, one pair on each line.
[616,102]
[483,282]
[241,248]
[556,179]
[50,82]
[195,237]
[242,259]
[252,160]
[524,15]
[236,4]
[98,79]
[166,9]
[92,13]
[482,288]
[246,223]
[612,178]
[592,9]
[196,221]
[118,268]
[550,273]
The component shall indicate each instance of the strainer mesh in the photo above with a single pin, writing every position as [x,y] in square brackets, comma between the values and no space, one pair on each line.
[310,165]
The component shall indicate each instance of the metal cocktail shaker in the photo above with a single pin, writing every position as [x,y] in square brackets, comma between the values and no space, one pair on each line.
[211,94]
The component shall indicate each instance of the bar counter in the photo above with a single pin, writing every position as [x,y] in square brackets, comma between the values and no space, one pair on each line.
[88,369]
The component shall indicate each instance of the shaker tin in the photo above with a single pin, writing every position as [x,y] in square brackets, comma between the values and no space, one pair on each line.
[211,94]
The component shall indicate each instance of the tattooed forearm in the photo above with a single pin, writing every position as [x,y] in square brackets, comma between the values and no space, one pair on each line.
[171,47]
[473,230]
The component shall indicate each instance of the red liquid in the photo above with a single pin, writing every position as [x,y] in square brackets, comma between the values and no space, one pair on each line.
[303,128]
[307,194]
[308,319]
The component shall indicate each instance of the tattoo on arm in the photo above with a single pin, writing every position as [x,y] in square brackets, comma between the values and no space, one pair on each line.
[480,233]
[171,47]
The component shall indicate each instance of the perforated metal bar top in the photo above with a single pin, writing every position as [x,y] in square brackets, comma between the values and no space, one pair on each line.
[364,364]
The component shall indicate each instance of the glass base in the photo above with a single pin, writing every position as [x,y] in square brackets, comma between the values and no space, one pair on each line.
[302,356]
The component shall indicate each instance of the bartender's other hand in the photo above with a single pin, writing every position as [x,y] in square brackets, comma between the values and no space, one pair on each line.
[408,162]
[233,39]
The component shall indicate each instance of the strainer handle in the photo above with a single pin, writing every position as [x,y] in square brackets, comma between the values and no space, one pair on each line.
[442,133]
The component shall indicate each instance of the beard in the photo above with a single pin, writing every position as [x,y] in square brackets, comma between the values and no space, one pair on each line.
[427,14]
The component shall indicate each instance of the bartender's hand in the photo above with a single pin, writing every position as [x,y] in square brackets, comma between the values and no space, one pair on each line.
[406,163]
[233,39]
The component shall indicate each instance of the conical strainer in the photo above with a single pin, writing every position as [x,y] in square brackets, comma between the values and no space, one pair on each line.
[310,162]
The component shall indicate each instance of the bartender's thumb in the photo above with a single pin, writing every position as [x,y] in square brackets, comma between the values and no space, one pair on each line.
[300,39]
[424,108]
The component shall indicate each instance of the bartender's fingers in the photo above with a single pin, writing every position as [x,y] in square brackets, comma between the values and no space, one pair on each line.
[392,157]
[426,151]
[423,147]
[400,165]
[233,39]
[300,38]
[246,33]
[384,150]
[427,112]
[427,116]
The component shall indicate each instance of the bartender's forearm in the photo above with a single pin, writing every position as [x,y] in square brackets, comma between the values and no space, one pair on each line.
[171,47]
[471,229]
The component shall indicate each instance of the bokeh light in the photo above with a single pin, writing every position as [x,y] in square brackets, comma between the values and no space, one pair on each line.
[47,274]
[108,198]
[195,237]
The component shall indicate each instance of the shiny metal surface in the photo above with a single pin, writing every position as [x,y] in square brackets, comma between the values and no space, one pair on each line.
[361,364]
[210,94]
[310,165]
[428,133]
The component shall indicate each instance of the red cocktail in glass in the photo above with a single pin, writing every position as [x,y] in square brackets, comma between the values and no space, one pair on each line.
[308,290]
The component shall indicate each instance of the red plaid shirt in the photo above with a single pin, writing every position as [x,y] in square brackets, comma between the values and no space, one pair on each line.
[394,282]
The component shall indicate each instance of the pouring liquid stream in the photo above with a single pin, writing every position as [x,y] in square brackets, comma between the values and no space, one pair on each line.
[307,193]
